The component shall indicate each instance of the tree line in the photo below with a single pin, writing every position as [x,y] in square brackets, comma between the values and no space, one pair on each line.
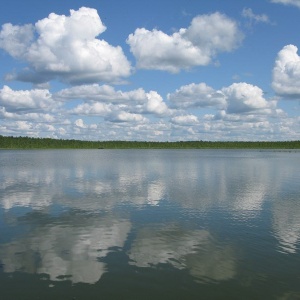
[11,142]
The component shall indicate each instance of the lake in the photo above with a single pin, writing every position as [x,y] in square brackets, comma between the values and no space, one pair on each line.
[149,224]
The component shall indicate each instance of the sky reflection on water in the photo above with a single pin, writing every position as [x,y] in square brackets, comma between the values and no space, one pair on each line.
[215,216]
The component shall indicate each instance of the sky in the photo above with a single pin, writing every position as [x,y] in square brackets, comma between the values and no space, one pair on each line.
[168,70]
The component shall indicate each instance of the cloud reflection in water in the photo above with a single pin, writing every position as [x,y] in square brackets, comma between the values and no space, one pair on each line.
[194,250]
[94,184]
[70,250]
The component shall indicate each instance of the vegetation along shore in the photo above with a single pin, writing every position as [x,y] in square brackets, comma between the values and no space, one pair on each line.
[10,142]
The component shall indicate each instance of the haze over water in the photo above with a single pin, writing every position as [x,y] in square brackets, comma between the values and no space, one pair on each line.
[141,224]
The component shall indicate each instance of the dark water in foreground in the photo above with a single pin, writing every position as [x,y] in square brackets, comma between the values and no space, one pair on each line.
[149,224]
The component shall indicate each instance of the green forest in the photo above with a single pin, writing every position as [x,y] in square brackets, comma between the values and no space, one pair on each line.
[10,142]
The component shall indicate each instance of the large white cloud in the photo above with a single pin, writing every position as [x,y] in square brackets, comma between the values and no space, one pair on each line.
[27,116]
[239,98]
[67,48]
[246,98]
[22,100]
[95,96]
[196,95]
[124,116]
[101,93]
[286,72]
[16,39]
[155,104]
[185,120]
[196,45]
[99,109]
[288,2]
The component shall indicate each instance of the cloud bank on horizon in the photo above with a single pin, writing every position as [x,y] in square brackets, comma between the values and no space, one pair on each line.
[64,78]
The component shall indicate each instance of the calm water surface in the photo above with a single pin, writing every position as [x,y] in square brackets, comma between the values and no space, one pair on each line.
[149,224]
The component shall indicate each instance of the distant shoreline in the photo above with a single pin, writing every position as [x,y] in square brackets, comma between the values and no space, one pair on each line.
[10,142]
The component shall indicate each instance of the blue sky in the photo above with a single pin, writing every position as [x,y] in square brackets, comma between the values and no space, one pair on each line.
[153,70]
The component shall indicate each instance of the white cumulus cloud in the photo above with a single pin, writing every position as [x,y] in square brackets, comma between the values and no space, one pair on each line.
[124,116]
[155,104]
[66,47]
[286,72]
[99,109]
[196,95]
[79,123]
[101,93]
[196,45]
[22,100]
[185,120]
[98,97]
[245,98]
[15,39]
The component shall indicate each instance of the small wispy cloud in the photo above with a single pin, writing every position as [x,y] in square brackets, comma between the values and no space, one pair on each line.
[288,2]
[255,18]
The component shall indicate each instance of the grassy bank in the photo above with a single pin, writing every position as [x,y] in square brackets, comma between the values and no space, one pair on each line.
[9,142]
